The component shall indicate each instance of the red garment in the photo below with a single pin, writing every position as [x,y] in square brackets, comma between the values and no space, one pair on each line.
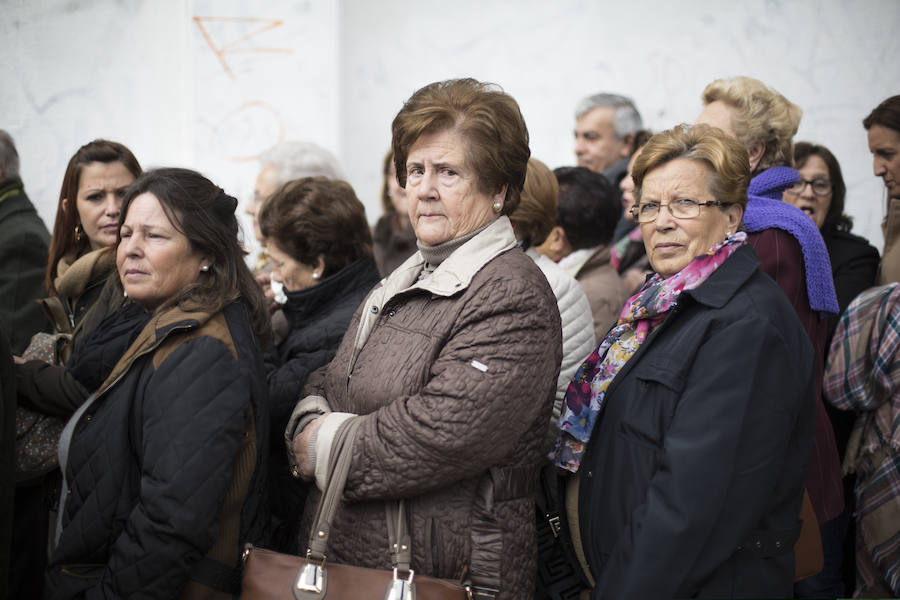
[782,260]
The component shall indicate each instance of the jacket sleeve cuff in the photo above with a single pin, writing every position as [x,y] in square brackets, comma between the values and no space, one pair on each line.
[306,411]
[320,445]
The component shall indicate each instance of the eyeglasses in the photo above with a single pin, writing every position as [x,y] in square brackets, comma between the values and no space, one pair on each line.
[820,187]
[685,208]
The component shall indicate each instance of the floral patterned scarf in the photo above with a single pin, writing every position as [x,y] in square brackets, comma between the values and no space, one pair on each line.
[645,310]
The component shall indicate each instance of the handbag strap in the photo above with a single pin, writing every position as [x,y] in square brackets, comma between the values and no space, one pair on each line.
[338,467]
[399,541]
[58,313]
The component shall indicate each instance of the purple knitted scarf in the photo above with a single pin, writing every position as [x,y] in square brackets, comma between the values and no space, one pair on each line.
[765,210]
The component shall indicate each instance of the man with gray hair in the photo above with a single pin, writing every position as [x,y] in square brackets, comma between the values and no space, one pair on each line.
[285,162]
[24,241]
[605,128]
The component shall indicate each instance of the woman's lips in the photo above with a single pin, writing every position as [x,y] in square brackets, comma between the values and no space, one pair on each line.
[667,247]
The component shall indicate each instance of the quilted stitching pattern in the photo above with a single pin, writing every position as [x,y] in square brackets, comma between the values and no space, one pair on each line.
[435,423]
[146,493]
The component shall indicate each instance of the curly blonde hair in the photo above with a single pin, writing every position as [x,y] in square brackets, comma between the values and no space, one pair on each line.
[760,115]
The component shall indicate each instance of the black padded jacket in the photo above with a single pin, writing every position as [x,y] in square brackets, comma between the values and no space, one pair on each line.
[165,469]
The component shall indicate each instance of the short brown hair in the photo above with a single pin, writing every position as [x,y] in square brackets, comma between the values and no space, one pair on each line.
[316,216]
[63,241]
[536,214]
[486,117]
[761,115]
[726,157]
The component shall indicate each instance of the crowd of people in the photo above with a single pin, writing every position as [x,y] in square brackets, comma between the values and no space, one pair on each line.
[665,371]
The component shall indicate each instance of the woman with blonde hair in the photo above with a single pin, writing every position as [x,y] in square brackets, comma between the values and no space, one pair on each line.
[793,253]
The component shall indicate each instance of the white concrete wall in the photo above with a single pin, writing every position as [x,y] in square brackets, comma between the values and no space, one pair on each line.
[836,59]
[205,84]
[336,72]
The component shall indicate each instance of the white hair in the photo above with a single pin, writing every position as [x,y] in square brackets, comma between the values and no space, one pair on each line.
[293,160]
[9,157]
[627,119]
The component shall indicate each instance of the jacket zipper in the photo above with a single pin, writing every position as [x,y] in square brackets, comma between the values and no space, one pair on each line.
[70,312]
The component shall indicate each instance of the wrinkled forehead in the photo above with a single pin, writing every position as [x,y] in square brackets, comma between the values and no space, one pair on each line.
[679,177]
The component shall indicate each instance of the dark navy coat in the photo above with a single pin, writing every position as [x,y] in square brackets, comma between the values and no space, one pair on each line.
[693,478]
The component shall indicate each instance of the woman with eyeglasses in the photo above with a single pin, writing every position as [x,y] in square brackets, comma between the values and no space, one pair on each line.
[820,193]
[689,428]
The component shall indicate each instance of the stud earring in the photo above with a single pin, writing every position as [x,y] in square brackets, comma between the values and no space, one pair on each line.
[315,275]
[727,234]
[498,206]
[204,268]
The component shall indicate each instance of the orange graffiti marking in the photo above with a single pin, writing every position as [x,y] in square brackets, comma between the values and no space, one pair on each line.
[230,48]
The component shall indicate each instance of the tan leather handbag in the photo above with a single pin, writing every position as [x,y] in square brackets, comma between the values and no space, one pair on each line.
[271,575]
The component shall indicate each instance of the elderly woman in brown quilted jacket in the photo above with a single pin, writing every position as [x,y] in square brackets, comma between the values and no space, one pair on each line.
[450,364]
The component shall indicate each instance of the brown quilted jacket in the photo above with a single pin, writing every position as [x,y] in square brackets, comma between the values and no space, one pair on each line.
[454,377]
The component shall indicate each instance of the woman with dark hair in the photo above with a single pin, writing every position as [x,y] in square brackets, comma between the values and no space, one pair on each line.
[87,218]
[394,238]
[164,465]
[317,236]
[820,193]
[449,366]
[883,130]
[77,276]
[81,261]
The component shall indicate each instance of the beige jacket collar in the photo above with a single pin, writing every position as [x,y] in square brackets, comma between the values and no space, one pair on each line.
[451,276]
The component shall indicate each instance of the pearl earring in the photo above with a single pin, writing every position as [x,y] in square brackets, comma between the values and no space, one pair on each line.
[204,268]
[498,206]
[315,275]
